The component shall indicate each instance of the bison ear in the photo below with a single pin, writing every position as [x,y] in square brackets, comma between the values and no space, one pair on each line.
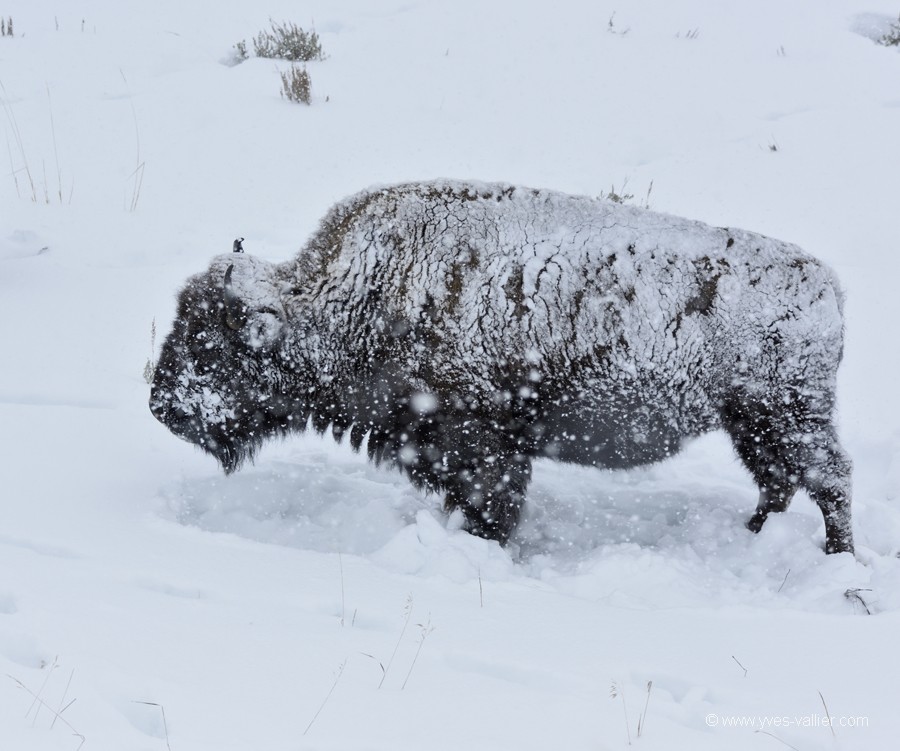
[235,310]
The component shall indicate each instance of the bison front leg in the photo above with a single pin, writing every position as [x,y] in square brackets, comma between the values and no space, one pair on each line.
[774,496]
[488,485]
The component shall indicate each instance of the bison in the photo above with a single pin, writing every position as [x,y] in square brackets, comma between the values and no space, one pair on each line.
[460,330]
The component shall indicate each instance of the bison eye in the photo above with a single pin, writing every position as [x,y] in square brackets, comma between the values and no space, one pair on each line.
[235,318]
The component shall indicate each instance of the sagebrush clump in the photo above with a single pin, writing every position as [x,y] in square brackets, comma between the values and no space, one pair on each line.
[288,41]
[892,37]
[295,85]
[240,52]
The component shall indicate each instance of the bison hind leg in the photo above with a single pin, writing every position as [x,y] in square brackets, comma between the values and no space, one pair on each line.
[827,480]
[790,443]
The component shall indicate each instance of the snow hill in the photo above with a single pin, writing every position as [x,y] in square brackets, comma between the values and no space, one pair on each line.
[314,602]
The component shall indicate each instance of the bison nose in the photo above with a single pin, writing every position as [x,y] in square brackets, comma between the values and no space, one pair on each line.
[174,418]
[158,409]
[166,412]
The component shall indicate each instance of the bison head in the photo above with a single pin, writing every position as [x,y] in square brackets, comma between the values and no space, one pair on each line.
[218,380]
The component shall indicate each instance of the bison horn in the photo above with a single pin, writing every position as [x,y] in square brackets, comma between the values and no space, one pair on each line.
[235,312]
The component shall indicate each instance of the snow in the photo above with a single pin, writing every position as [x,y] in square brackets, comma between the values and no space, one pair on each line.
[132,571]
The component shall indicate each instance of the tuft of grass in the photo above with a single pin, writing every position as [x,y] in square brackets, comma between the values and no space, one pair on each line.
[689,34]
[621,195]
[890,39]
[617,195]
[23,166]
[39,703]
[6,27]
[288,41]
[20,147]
[295,85]
[612,29]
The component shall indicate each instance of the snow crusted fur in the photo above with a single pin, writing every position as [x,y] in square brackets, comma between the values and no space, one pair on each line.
[462,329]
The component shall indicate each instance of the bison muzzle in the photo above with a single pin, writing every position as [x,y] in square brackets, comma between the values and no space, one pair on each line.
[460,330]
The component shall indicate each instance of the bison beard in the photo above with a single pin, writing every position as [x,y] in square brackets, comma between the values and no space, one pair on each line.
[460,330]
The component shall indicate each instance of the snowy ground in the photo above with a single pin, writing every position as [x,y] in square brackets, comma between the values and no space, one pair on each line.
[183,610]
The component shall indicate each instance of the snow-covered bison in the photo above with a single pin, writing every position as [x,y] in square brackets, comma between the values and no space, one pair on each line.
[462,329]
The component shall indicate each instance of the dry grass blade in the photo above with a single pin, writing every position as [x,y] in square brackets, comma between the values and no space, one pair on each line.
[163,712]
[17,137]
[55,148]
[784,580]
[854,596]
[828,715]
[426,628]
[36,704]
[616,693]
[341,566]
[56,714]
[642,720]
[407,612]
[772,735]
[327,696]
[65,693]
[138,172]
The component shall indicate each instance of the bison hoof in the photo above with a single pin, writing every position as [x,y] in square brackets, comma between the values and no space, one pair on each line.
[755,522]
[838,545]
